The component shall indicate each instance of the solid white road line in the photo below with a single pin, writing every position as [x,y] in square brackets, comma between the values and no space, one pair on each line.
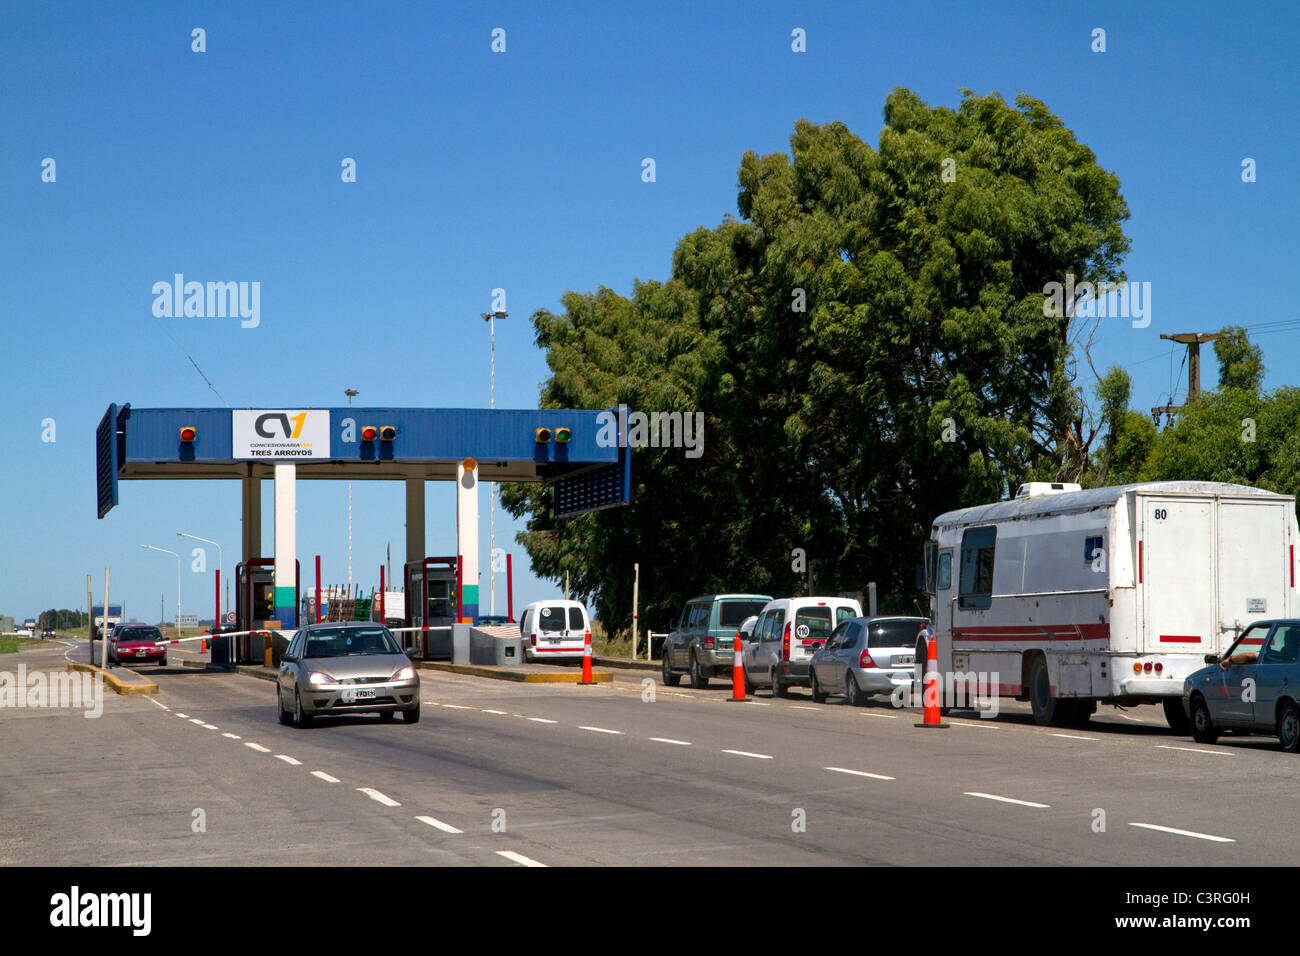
[886,716]
[444,827]
[1072,737]
[1187,833]
[518,858]
[746,753]
[379,797]
[457,707]
[803,707]
[758,703]
[501,712]
[1194,750]
[970,723]
[152,701]
[232,736]
[289,760]
[860,773]
[669,740]
[542,720]
[994,796]
[322,775]
[258,747]
[600,730]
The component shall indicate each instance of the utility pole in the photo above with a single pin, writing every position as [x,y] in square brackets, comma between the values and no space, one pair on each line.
[349,392]
[1193,341]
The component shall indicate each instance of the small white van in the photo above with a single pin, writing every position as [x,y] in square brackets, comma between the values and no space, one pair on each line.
[554,630]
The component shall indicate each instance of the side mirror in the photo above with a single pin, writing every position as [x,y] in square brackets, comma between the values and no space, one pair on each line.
[1211,658]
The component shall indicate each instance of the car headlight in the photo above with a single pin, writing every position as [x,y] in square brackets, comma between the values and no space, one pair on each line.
[320,677]
[403,673]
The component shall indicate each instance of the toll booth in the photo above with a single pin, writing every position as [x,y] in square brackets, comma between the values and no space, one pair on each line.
[255,608]
[430,599]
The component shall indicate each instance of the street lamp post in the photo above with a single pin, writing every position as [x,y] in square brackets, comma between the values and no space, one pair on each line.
[177,556]
[490,318]
[350,393]
[220,564]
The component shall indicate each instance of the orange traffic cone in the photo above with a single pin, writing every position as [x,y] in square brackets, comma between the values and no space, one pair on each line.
[930,696]
[586,659]
[737,673]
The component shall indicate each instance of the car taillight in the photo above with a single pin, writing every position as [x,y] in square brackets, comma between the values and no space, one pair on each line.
[1137,667]
[864,659]
[708,641]
[534,639]
[1147,667]
[1159,667]
[785,643]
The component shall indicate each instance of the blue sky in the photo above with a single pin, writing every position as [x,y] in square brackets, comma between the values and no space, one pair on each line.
[519,170]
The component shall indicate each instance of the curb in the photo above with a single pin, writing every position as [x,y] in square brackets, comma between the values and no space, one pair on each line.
[116,683]
[627,663]
[256,670]
[513,673]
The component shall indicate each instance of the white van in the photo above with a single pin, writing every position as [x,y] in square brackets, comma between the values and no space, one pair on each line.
[554,630]
[788,632]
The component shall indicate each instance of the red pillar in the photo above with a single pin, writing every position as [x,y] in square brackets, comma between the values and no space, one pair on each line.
[510,591]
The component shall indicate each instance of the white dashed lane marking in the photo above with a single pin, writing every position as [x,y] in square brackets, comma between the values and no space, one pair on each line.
[600,730]
[542,720]
[669,740]
[518,858]
[1187,833]
[1194,750]
[258,747]
[860,773]
[289,760]
[378,797]
[232,736]
[322,775]
[994,796]
[438,824]
[746,753]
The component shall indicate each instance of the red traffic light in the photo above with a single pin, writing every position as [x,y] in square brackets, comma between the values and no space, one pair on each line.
[189,433]
[368,433]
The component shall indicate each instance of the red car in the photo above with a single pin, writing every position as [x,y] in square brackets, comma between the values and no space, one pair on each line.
[135,644]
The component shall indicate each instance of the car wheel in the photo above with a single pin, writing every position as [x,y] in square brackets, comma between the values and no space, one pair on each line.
[749,684]
[286,718]
[1203,729]
[779,689]
[671,679]
[818,695]
[1288,727]
[852,691]
[300,717]
[699,679]
[412,716]
[1175,716]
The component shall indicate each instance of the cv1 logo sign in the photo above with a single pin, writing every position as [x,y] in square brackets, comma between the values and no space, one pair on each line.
[280,433]
[262,420]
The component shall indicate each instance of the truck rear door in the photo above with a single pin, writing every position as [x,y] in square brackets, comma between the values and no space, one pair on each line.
[1253,566]
[1176,562]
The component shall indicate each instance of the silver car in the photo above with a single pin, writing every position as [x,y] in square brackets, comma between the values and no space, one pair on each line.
[346,668]
[865,656]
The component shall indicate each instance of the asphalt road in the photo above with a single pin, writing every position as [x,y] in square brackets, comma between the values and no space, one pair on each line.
[628,773]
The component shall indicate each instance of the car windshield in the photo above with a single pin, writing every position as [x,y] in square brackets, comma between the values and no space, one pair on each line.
[350,642]
[816,619]
[140,634]
[894,633]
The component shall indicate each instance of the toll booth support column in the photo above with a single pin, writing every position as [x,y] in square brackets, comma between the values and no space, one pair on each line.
[286,545]
[415,519]
[251,519]
[467,535]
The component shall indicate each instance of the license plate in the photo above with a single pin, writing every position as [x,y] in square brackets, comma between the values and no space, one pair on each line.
[364,693]
[555,640]
[140,653]
[908,659]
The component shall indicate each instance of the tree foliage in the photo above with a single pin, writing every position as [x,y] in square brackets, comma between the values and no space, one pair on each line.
[869,346]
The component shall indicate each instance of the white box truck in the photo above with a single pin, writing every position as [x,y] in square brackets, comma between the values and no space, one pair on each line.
[1065,597]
